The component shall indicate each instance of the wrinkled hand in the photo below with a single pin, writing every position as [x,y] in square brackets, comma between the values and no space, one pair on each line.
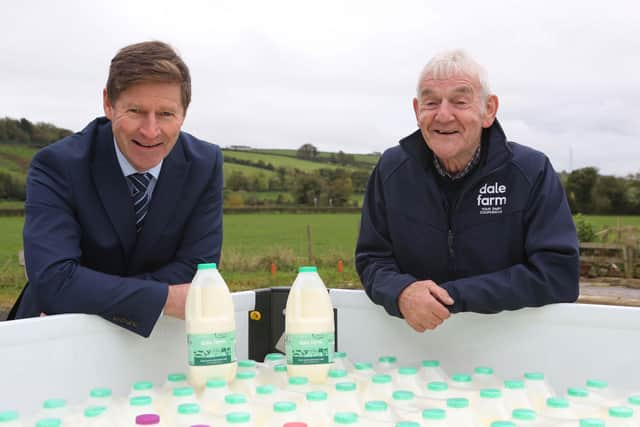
[423,305]
[176,300]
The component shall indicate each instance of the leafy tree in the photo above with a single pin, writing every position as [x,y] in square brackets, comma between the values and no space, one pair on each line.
[580,184]
[609,195]
[307,187]
[237,181]
[307,152]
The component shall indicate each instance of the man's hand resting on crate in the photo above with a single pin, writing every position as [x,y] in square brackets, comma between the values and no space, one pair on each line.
[422,305]
[176,300]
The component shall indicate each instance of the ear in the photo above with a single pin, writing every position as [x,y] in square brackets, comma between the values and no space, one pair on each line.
[106,105]
[415,110]
[490,111]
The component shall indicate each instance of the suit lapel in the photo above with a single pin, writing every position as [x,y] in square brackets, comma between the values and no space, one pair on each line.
[164,202]
[112,188]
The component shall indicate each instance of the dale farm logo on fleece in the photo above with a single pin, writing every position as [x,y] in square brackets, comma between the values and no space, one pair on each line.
[491,198]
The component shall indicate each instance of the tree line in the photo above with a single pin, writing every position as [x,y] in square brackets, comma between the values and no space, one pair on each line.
[588,192]
[25,132]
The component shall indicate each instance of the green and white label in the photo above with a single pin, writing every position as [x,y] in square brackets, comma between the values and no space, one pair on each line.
[211,349]
[309,349]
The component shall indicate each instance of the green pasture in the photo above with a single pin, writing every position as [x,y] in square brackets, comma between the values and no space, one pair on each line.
[252,242]
[280,161]
[248,171]
[323,155]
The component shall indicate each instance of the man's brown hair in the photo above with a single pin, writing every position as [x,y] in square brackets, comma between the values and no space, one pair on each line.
[152,61]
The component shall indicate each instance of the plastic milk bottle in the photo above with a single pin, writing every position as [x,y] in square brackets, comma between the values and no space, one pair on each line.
[309,327]
[211,328]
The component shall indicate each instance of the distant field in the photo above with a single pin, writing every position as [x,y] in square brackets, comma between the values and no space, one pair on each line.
[280,161]
[229,168]
[364,158]
[251,243]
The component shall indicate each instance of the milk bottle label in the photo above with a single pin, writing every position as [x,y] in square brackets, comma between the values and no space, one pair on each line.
[309,349]
[211,349]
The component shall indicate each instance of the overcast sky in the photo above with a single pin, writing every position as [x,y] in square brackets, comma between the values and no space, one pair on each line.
[341,74]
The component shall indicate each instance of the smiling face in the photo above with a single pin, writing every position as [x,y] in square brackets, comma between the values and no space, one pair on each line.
[146,119]
[451,113]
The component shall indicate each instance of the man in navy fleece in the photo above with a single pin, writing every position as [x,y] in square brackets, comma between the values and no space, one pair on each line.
[457,218]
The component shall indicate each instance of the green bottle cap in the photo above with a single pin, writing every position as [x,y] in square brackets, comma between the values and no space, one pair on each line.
[430,363]
[407,371]
[246,364]
[188,408]
[142,385]
[140,401]
[557,402]
[281,407]
[339,355]
[317,396]
[6,416]
[235,399]
[387,359]
[536,376]
[503,424]
[490,393]
[245,375]
[514,384]
[620,412]
[402,395]
[272,357]
[280,368]
[376,406]
[345,418]
[483,370]
[100,392]
[265,389]
[94,411]
[308,269]
[524,414]
[208,266]
[434,414]
[363,366]
[238,417]
[381,379]
[216,383]
[346,386]
[337,373]
[457,402]
[597,384]
[298,380]
[54,403]
[591,422]
[577,392]
[49,422]
[407,424]
[634,400]
[461,378]
[183,391]
[174,378]
[437,386]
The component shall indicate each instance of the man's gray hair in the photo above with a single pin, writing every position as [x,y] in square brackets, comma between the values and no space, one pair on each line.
[455,62]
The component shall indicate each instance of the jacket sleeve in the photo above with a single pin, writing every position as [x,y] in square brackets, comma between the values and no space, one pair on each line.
[375,261]
[550,271]
[202,238]
[53,257]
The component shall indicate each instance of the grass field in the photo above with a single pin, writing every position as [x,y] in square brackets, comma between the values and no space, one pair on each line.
[251,243]
[248,171]
[372,159]
[280,161]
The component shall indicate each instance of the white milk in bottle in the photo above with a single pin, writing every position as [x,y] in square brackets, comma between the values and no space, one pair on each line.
[309,327]
[211,327]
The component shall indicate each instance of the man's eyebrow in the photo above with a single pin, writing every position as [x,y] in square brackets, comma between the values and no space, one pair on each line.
[459,90]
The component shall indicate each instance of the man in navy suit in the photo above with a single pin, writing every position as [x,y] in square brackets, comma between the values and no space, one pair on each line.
[118,216]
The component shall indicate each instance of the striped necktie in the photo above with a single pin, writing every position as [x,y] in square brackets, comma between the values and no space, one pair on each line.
[139,192]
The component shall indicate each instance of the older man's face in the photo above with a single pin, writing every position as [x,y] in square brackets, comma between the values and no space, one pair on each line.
[451,114]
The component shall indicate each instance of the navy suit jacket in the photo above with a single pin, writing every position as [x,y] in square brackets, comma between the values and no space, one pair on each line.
[82,253]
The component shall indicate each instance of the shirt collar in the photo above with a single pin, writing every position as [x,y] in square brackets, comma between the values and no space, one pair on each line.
[126,167]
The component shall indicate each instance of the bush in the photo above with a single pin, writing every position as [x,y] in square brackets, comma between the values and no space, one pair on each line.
[585,230]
